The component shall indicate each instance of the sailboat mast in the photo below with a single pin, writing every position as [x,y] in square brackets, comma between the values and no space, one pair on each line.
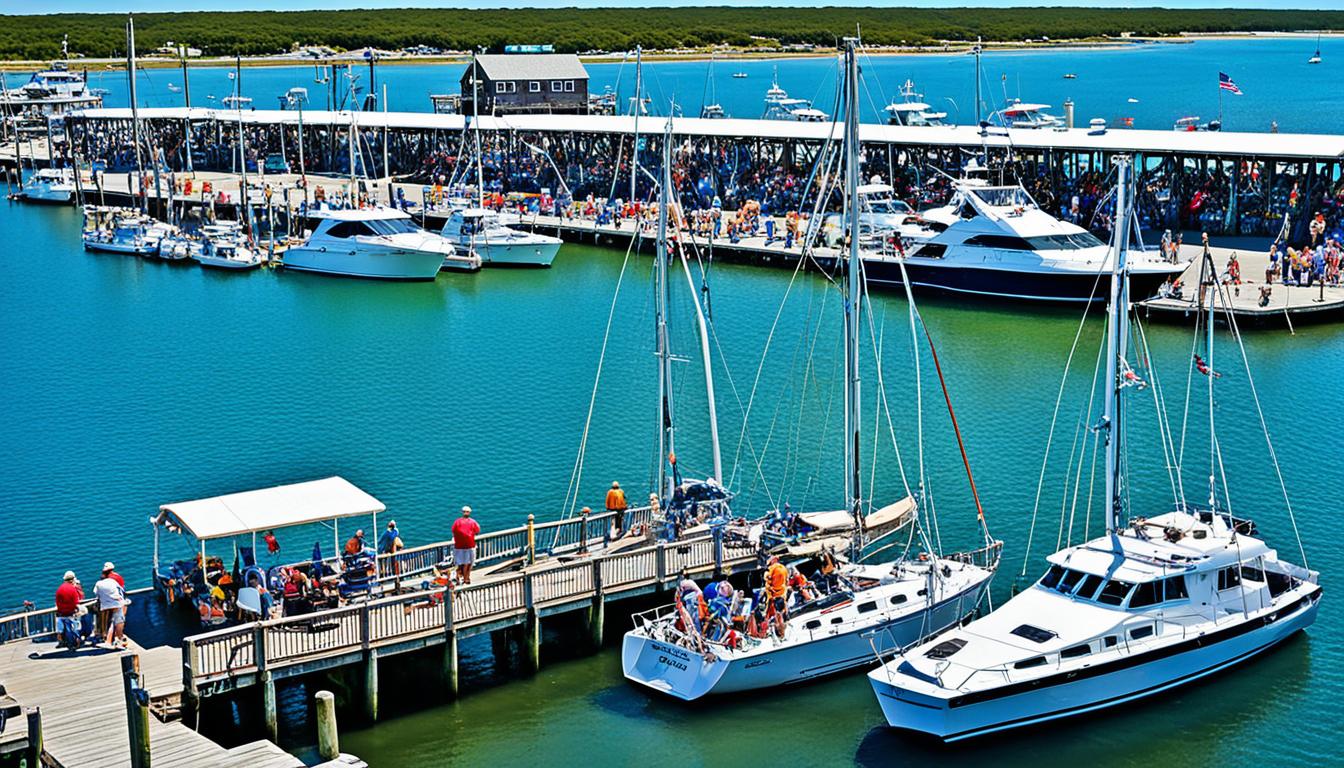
[977,81]
[1117,339]
[476,133]
[666,444]
[130,78]
[634,150]
[853,293]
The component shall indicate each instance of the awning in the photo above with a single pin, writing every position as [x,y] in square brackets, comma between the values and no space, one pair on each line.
[262,510]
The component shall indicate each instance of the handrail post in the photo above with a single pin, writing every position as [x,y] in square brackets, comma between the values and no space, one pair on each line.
[583,531]
[718,552]
[531,540]
[597,613]
[190,663]
[269,711]
[137,710]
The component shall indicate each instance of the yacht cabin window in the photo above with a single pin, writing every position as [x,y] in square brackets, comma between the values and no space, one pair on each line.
[349,229]
[1075,651]
[1138,633]
[392,226]
[1034,634]
[1114,593]
[946,648]
[1229,577]
[1003,242]
[1161,591]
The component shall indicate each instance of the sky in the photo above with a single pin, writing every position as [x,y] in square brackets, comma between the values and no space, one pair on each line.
[143,6]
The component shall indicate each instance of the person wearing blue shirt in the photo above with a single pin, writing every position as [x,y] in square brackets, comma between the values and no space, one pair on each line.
[387,542]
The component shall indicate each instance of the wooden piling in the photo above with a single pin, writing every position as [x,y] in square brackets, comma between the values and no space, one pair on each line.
[597,611]
[137,711]
[449,645]
[328,742]
[269,710]
[371,685]
[531,625]
[32,756]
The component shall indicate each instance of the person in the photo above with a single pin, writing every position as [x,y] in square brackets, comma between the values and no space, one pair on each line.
[465,531]
[776,590]
[800,586]
[356,543]
[1265,292]
[616,503]
[690,600]
[1234,273]
[69,595]
[830,577]
[111,598]
[389,543]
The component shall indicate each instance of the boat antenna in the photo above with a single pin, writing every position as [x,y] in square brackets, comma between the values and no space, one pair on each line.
[1117,338]
[853,298]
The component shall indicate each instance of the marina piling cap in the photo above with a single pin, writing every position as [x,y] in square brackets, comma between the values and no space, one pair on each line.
[69,576]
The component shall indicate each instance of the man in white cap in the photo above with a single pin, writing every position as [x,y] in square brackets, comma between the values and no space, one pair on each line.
[111,607]
[68,597]
[465,531]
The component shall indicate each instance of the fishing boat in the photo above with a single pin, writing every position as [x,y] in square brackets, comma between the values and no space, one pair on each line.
[376,243]
[780,106]
[1020,114]
[225,247]
[1160,600]
[120,230]
[997,241]
[179,246]
[1316,57]
[485,233]
[911,110]
[888,606]
[49,185]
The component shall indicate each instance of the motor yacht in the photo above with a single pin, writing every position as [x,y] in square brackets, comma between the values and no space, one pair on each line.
[53,91]
[50,185]
[487,234]
[996,241]
[121,230]
[911,110]
[780,106]
[225,247]
[379,243]
[1019,114]
[1153,603]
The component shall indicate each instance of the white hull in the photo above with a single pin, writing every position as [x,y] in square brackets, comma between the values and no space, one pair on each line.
[685,674]
[369,262]
[139,249]
[215,262]
[538,254]
[45,194]
[1087,690]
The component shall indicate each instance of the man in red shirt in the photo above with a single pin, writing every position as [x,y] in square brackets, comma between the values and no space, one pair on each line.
[465,531]
[68,597]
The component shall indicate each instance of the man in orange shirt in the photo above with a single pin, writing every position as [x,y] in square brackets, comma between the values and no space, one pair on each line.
[776,590]
[616,503]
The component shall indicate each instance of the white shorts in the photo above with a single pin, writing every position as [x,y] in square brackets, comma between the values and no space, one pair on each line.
[464,556]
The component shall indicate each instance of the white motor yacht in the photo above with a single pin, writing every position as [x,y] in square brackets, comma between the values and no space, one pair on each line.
[379,243]
[1019,114]
[121,230]
[484,233]
[911,110]
[780,106]
[225,247]
[52,92]
[996,241]
[50,185]
[1154,603]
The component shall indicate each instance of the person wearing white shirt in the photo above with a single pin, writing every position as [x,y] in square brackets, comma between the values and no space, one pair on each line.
[111,609]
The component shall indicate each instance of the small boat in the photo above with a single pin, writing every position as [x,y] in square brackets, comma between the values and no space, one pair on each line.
[739,75]
[485,233]
[376,243]
[912,110]
[1020,114]
[1070,76]
[712,112]
[49,185]
[174,88]
[1158,601]
[179,246]
[120,230]
[1316,57]
[1096,126]
[779,106]
[224,247]
[1132,100]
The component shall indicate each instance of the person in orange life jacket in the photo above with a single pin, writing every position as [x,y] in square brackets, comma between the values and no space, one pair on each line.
[616,503]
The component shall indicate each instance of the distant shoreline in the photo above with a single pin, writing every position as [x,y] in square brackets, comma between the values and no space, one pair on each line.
[951,49]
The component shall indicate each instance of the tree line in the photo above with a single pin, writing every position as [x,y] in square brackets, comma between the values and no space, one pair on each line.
[615,29]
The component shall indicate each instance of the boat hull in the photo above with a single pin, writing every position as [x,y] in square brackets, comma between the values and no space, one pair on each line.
[1073,693]
[685,674]
[375,264]
[140,249]
[211,262]
[48,195]
[510,254]
[1042,285]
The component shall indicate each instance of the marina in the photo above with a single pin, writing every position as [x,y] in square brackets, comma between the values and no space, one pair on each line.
[824,347]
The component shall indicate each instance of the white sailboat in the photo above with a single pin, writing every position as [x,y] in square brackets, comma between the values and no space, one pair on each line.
[889,606]
[1153,604]
[1316,57]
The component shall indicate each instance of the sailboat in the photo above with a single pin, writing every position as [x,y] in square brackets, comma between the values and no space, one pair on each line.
[888,606]
[1316,57]
[1156,602]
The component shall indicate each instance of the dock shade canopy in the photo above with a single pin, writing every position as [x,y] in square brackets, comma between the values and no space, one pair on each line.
[247,512]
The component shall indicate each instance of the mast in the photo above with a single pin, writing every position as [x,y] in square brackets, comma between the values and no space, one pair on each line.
[977,80]
[634,152]
[1117,339]
[186,101]
[666,444]
[853,296]
[130,77]
[245,200]
[476,132]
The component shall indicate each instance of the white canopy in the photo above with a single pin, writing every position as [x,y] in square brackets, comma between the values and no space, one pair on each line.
[261,510]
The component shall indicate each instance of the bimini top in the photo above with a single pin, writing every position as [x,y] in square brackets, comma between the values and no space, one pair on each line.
[261,510]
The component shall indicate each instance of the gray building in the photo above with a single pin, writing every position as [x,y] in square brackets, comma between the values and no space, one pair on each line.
[541,82]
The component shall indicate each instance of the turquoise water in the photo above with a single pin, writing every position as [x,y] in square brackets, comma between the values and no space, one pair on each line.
[129,383]
[1168,80]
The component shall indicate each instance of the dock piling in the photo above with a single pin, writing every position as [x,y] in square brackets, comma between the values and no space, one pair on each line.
[597,611]
[137,711]
[328,743]
[32,756]
[449,645]
[531,625]
[371,685]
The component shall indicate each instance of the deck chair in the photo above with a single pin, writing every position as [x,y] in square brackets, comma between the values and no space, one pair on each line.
[249,601]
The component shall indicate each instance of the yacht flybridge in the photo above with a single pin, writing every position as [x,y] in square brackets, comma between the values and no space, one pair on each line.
[911,110]
[996,241]
[891,605]
[780,106]
[1154,603]
[1020,114]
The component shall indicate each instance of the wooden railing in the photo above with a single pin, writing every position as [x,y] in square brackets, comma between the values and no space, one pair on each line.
[40,622]
[294,640]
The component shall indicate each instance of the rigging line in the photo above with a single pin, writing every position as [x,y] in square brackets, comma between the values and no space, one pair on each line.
[576,476]
[1054,416]
[877,412]
[1091,488]
[1190,370]
[924,492]
[1078,449]
[956,430]
[1163,425]
[1264,428]
[882,388]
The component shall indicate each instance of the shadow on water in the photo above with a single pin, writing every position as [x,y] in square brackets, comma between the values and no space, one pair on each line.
[1228,703]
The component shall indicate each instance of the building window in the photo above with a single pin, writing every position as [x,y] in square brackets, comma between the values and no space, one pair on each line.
[569,86]
[557,86]
[534,86]
[506,86]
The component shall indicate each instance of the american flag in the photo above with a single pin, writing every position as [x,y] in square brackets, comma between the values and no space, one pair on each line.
[1225,82]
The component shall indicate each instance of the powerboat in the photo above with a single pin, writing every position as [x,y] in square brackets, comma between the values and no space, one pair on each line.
[780,106]
[1019,114]
[52,92]
[179,246]
[880,213]
[225,247]
[911,110]
[50,185]
[1154,603]
[486,234]
[712,112]
[121,230]
[996,241]
[377,243]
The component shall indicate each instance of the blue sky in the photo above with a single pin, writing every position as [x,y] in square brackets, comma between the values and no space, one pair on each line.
[123,6]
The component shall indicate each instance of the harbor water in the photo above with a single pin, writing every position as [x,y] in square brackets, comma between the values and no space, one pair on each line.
[126,383]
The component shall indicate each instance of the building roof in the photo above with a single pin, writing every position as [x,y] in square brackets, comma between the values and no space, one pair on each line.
[531,66]
[1318,146]
[284,505]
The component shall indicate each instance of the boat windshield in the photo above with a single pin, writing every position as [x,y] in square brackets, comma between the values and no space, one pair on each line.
[1070,242]
[889,205]
[392,226]
[1005,197]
